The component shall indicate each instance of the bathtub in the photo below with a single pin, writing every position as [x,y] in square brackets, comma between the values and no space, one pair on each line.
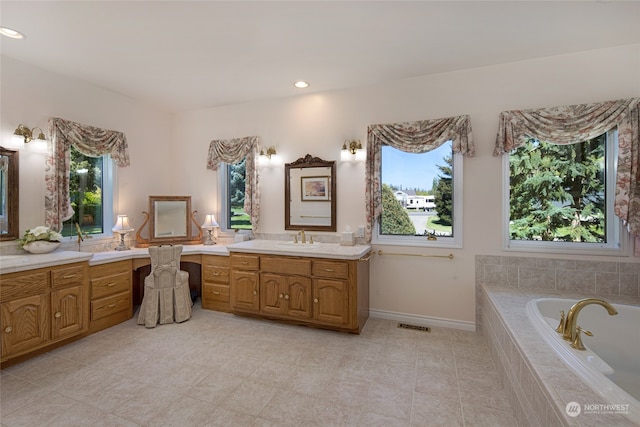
[611,363]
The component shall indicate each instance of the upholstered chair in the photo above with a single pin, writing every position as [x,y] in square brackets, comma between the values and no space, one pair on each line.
[167,297]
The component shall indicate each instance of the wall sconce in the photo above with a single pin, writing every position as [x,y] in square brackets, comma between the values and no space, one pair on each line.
[271,151]
[122,227]
[210,225]
[23,135]
[352,150]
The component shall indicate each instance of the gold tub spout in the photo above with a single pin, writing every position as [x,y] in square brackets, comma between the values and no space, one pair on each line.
[572,318]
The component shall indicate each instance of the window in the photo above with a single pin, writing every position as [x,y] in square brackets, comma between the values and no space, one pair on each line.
[421,197]
[233,188]
[561,196]
[90,191]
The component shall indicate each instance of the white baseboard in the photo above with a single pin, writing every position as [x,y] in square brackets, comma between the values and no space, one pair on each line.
[423,320]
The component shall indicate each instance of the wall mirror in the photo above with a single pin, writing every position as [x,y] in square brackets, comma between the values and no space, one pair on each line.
[170,219]
[310,194]
[9,194]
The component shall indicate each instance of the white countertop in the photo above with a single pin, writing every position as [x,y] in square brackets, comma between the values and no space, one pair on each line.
[26,261]
[315,250]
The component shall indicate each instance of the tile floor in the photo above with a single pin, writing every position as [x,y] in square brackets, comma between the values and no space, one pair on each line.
[218,369]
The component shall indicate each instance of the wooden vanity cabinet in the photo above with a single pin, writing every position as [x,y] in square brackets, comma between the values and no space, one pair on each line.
[215,283]
[110,294]
[327,293]
[42,307]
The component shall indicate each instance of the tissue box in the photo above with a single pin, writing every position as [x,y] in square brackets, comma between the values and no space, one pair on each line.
[347,239]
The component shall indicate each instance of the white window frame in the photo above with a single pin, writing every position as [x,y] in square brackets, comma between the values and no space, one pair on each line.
[454,242]
[619,243]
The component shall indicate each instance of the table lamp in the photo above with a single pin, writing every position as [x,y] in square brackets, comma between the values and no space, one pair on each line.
[209,225]
[122,227]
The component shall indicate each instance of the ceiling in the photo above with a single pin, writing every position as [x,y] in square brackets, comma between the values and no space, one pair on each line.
[180,55]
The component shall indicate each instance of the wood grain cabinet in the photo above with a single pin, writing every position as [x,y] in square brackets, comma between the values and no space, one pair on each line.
[111,287]
[42,307]
[326,293]
[215,283]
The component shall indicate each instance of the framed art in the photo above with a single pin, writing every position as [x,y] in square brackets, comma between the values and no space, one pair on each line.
[314,188]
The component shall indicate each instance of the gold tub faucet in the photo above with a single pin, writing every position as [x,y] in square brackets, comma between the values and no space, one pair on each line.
[572,318]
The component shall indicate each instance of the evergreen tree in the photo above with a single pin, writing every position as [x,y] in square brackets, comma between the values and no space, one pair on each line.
[395,219]
[444,192]
[237,173]
[557,191]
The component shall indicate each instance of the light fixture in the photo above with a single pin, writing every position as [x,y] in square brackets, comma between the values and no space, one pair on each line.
[271,151]
[352,150]
[301,84]
[11,33]
[23,135]
[210,225]
[122,227]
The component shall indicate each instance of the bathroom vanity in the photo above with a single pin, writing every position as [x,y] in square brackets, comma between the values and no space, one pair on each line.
[320,285]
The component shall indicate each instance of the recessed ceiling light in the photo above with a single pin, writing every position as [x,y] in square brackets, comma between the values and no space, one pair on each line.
[301,84]
[5,31]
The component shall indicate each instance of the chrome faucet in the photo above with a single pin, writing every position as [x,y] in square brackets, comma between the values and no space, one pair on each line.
[303,238]
[571,322]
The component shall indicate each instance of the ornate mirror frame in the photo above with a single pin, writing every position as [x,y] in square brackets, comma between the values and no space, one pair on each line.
[169,221]
[312,206]
[10,195]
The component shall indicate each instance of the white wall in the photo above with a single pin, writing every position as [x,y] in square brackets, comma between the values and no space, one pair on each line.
[168,153]
[319,123]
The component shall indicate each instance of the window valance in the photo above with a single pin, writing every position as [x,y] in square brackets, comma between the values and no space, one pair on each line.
[413,137]
[577,123]
[233,151]
[89,140]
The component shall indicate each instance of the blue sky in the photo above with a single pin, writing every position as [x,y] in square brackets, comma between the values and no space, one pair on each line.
[412,170]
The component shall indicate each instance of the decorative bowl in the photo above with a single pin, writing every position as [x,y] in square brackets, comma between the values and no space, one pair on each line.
[41,247]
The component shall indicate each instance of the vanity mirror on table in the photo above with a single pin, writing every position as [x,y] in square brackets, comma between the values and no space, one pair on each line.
[170,222]
[310,194]
[9,196]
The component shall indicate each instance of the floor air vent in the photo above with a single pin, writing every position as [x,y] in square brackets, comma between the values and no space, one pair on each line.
[414,327]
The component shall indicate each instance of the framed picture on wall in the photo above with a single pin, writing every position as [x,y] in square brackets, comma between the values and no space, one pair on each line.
[314,188]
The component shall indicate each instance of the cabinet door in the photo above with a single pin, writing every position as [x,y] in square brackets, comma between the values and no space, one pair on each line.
[245,291]
[24,323]
[67,311]
[272,290]
[298,297]
[331,301]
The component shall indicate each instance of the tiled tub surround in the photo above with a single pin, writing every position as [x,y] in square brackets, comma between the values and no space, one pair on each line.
[537,381]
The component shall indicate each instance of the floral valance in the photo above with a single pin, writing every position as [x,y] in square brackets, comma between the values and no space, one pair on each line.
[412,137]
[577,123]
[233,151]
[89,140]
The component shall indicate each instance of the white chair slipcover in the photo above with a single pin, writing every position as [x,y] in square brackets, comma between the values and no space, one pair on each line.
[167,297]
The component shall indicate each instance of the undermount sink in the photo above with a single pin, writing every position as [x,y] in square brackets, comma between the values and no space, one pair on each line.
[301,246]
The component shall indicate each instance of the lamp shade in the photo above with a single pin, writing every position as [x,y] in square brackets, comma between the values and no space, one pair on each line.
[122,224]
[210,222]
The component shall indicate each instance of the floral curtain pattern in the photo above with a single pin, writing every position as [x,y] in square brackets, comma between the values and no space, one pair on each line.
[90,141]
[233,151]
[576,123]
[412,137]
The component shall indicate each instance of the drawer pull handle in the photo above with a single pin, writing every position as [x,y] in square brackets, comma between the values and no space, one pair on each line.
[57,315]
[216,292]
[281,296]
[111,305]
[109,285]
[69,276]
[215,273]
[315,300]
[330,270]
[8,329]
[244,262]
[255,292]
[286,297]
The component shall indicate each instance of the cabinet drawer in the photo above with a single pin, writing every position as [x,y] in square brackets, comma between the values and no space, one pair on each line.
[110,285]
[215,260]
[245,262]
[110,305]
[331,269]
[301,267]
[215,292]
[214,273]
[67,276]
[111,269]
[20,285]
